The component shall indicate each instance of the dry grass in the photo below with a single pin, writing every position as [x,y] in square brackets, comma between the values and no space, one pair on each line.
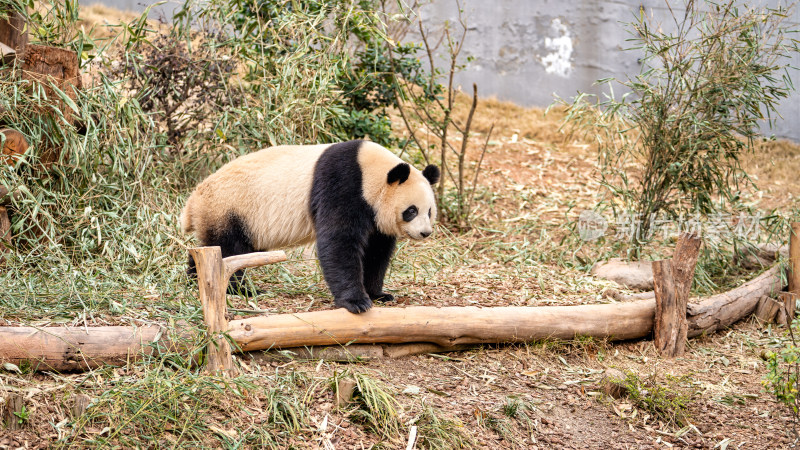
[775,167]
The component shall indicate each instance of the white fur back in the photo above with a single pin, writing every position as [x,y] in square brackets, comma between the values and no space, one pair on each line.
[268,189]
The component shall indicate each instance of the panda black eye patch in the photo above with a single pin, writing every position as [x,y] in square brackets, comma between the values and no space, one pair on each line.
[410,213]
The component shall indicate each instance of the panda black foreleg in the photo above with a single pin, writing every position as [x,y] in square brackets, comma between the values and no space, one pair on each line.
[341,258]
[377,257]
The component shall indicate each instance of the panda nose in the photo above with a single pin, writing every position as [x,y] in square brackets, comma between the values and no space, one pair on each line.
[425,234]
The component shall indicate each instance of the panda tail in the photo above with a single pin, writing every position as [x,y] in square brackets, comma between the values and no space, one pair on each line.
[186,217]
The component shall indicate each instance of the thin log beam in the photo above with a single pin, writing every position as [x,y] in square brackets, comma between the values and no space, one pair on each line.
[239,262]
[445,326]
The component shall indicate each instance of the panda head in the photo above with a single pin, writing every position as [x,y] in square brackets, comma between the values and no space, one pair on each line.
[410,200]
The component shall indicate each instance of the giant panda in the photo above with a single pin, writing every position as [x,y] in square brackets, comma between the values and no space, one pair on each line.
[354,198]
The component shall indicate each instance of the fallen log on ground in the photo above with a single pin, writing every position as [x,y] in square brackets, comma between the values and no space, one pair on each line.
[723,310]
[444,326]
[76,348]
[68,349]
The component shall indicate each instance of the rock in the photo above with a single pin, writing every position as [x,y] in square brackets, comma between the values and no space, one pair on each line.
[613,383]
[345,388]
[411,390]
[637,275]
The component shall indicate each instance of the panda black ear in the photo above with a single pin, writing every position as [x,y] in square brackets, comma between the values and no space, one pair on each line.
[399,173]
[432,174]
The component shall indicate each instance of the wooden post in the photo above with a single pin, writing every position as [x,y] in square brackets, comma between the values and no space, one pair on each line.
[684,262]
[669,333]
[788,302]
[794,259]
[767,309]
[673,282]
[14,404]
[213,283]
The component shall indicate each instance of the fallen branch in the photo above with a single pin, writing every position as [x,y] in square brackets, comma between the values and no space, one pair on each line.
[722,310]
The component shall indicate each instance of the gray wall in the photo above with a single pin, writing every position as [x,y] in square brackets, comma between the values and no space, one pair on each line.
[528,51]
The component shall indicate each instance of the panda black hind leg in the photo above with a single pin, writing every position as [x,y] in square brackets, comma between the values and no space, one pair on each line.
[232,239]
[377,256]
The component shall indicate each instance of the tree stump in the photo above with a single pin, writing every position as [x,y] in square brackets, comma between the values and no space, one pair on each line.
[672,280]
[213,284]
[767,309]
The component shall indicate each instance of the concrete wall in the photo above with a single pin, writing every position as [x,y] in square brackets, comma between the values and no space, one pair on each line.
[528,51]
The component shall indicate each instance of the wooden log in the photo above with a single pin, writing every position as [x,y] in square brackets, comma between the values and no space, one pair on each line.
[213,283]
[767,309]
[14,405]
[794,259]
[68,349]
[15,146]
[722,310]
[239,262]
[445,326]
[669,328]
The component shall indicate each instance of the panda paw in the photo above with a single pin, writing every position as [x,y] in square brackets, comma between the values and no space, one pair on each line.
[355,305]
[383,297]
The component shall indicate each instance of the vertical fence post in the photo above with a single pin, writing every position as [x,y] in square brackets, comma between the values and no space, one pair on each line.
[672,279]
[213,284]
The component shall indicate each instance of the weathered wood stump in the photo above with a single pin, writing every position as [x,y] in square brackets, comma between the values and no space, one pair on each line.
[767,309]
[672,281]
[213,274]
